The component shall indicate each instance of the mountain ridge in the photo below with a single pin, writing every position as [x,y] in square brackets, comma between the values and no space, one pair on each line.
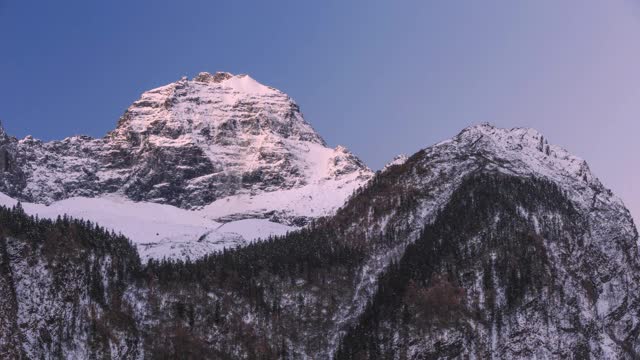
[232,133]
[493,227]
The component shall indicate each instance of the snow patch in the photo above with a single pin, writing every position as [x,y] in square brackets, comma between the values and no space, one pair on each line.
[158,230]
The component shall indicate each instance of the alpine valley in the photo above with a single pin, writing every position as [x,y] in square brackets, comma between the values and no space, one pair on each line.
[215,223]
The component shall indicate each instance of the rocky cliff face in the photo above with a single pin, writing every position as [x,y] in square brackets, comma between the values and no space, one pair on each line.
[186,144]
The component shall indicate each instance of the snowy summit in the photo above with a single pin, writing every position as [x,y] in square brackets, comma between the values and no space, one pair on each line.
[209,151]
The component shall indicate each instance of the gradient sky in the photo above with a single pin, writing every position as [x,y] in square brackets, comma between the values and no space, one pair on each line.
[381,77]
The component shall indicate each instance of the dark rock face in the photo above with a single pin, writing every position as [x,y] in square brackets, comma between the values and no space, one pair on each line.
[187,144]
[216,78]
[12,178]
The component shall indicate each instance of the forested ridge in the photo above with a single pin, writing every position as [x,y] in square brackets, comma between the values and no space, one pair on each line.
[484,259]
[491,253]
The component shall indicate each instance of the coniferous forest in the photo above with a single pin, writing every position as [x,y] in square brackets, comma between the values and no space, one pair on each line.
[484,259]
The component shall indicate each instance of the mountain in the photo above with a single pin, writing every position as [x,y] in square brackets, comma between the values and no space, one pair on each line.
[515,251]
[229,160]
[494,244]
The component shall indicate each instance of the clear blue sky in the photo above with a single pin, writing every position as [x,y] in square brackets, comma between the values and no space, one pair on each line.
[381,77]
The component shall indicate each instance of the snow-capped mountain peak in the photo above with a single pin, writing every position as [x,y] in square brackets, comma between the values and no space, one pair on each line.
[522,152]
[529,142]
[215,140]
[533,195]
[209,104]
[429,181]
[527,151]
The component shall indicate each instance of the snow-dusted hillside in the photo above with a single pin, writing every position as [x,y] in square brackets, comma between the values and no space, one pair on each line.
[185,159]
[609,240]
